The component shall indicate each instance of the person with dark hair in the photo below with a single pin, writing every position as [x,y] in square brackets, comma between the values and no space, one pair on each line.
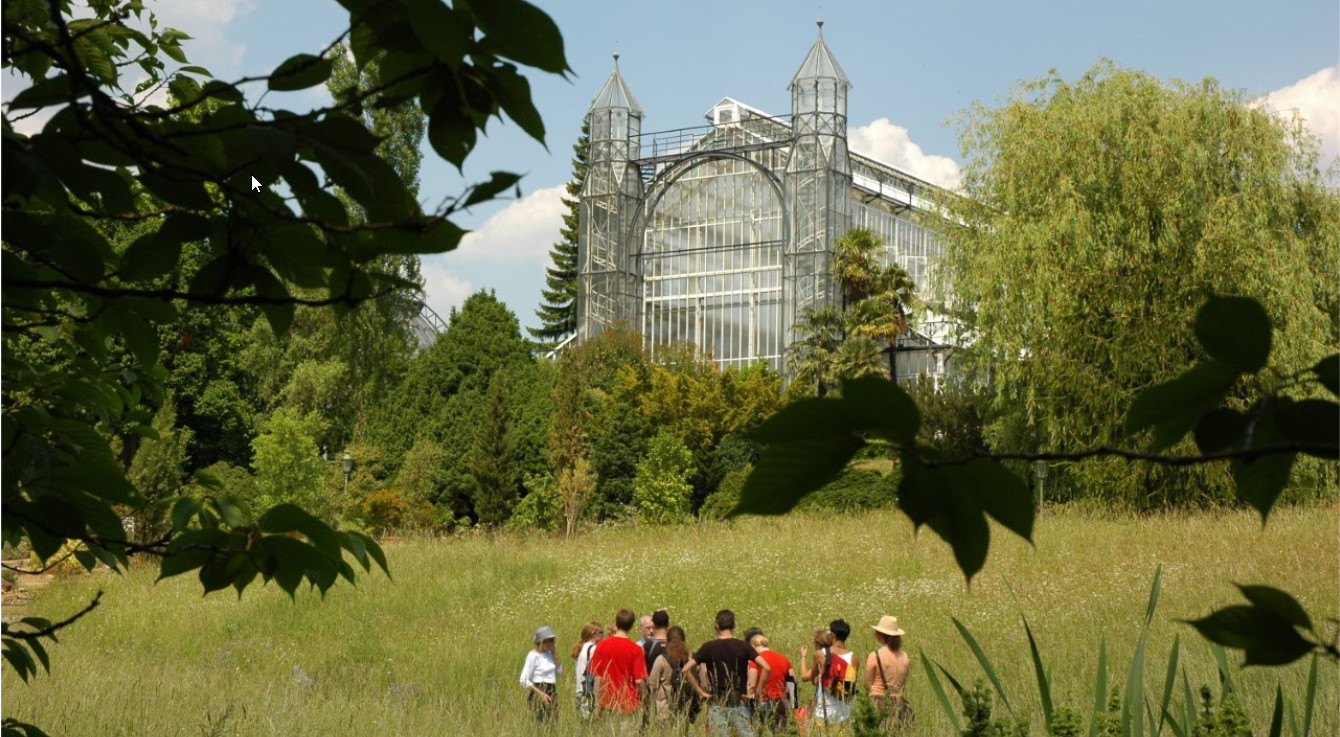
[654,643]
[620,672]
[665,681]
[539,676]
[749,634]
[886,672]
[833,672]
[727,662]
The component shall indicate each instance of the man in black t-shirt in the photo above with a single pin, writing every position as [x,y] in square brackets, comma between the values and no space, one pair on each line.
[727,660]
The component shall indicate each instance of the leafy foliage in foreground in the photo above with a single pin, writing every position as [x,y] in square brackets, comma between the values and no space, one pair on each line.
[809,442]
[120,214]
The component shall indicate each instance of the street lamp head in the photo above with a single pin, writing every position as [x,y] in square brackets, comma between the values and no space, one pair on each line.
[348,461]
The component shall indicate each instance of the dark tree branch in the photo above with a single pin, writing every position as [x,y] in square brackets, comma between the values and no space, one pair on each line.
[1244,454]
[168,294]
[51,630]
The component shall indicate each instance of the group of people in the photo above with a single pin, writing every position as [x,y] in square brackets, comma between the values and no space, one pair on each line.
[741,683]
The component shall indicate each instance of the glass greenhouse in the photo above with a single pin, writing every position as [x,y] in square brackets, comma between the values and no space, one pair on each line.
[720,234]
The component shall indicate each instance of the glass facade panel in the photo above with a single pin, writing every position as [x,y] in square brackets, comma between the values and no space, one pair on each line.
[711,262]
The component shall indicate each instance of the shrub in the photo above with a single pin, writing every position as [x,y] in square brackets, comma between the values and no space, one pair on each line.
[854,490]
[386,510]
[720,502]
[541,508]
[661,490]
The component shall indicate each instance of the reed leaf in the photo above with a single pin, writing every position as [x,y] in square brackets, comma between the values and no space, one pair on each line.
[929,666]
[1099,690]
[985,662]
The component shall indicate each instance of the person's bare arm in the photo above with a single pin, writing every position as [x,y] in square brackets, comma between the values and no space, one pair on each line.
[764,671]
[806,671]
[691,670]
[753,684]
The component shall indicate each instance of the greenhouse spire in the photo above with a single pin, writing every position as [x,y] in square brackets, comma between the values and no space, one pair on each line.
[820,63]
[616,94]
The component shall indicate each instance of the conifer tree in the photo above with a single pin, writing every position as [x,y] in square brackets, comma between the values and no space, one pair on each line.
[492,463]
[558,311]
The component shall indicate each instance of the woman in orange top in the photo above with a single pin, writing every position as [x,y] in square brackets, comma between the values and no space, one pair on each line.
[886,671]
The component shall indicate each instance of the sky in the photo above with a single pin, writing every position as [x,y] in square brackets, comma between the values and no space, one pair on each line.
[912,65]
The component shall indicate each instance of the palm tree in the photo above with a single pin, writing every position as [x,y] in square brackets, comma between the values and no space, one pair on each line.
[878,298]
[819,336]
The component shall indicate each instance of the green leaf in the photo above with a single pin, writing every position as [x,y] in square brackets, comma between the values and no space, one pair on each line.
[46,92]
[1277,714]
[1264,637]
[374,550]
[1311,421]
[1099,690]
[522,32]
[1132,718]
[1169,682]
[1235,331]
[1044,686]
[291,518]
[1220,429]
[1310,701]
[921,491]
[486,191]
[940,694]
[1327,371]
[450,132]
[963,525]
[141,338]
[1261,480]
[808,419]
[1173,407]
[149,257]
[440,31]
[1000,492]
[1279,602]
[787,472]
[985,662]
[1154,589]
[300,72]
[183,511]
[884,408]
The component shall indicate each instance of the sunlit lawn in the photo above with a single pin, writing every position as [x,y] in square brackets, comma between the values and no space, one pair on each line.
[437,649]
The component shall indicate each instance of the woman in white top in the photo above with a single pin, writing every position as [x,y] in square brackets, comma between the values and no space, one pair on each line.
[581,652]
[539,676]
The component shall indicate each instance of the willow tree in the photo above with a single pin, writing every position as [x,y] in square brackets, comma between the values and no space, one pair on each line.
[1099,214]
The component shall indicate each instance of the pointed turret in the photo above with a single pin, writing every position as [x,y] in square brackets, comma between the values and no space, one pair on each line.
[820,64]
[616,94]
[817,182]
[607,283]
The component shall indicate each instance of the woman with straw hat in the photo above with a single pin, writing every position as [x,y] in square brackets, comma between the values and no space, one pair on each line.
[886,671]
[539,676]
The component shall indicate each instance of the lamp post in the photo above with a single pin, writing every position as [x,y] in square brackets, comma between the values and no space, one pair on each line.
[348,463]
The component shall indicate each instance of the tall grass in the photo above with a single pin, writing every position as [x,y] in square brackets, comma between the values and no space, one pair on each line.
[437,649]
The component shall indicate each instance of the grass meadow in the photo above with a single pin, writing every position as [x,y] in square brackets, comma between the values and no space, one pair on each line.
[437,649]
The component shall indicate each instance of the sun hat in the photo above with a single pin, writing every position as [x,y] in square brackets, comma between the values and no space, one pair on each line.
[888,625]
[545,633]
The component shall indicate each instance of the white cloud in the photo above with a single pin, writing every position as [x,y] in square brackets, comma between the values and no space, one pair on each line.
[890,143]
[444,290]
[522,231]
[206,21]
[1316,99]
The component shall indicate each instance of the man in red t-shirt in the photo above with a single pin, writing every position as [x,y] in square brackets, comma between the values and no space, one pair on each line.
[770,707]
[620,668]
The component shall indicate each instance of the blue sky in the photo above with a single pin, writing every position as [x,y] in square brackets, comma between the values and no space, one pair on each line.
[913,65]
